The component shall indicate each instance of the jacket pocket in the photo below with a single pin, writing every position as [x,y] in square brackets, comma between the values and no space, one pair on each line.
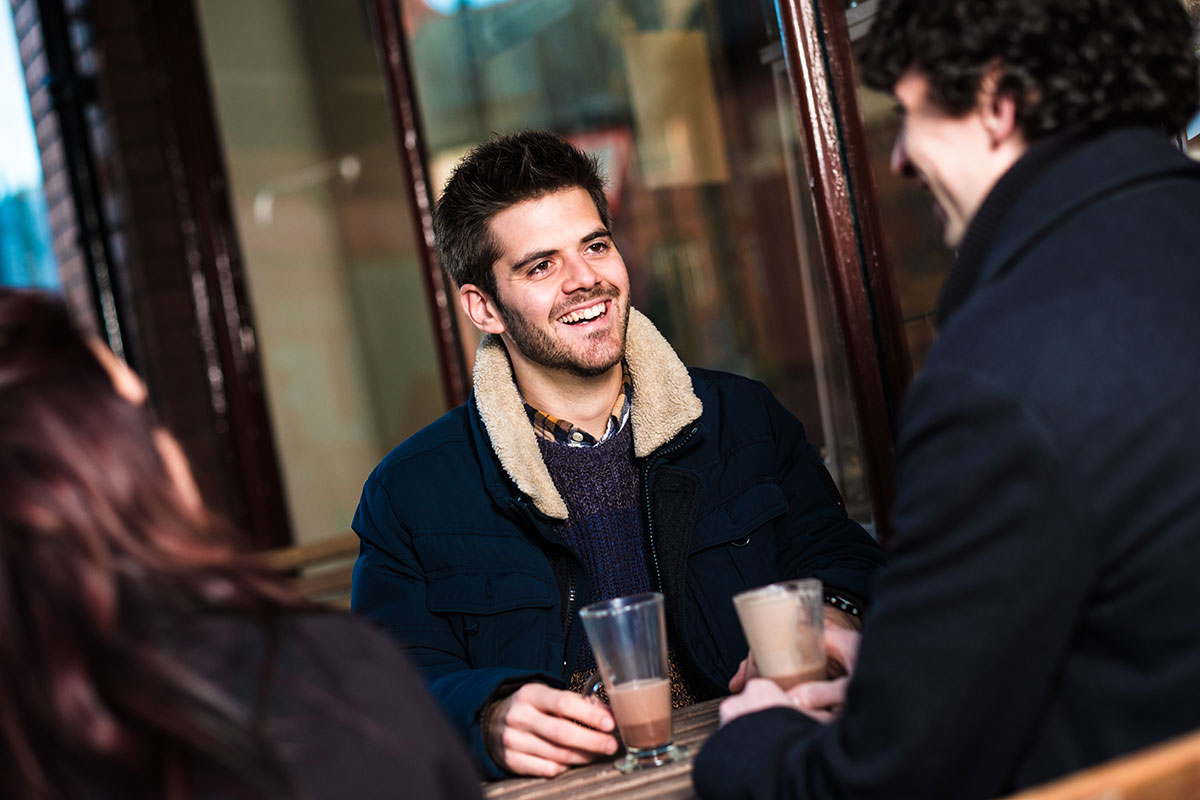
[735,548]
[502,618]
[484,592]
[735,521]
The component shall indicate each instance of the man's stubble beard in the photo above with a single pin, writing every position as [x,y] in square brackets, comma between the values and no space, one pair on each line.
[541,348]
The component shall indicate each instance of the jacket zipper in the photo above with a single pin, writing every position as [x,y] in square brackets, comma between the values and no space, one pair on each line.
[571,589]
[661,454]
[650,537]
[570,615]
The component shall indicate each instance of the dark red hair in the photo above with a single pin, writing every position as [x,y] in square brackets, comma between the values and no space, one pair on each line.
[97,547]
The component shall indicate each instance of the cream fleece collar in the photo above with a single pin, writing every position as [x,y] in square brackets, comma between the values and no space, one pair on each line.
[663,402]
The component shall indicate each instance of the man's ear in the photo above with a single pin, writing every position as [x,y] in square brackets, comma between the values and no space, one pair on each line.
[997,108]
[480,309]
[1000,119]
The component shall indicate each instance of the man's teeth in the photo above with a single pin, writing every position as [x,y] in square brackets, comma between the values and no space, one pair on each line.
[583,315]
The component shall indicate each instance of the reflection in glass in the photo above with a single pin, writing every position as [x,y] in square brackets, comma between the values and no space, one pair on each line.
[918,255]
[687,104]
[326,233]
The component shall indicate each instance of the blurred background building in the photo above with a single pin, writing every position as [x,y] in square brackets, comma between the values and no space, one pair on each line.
[236,197]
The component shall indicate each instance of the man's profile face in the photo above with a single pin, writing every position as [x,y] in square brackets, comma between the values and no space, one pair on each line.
[561,286]
[946,152]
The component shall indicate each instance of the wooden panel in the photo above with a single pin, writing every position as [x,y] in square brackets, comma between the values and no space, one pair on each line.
[304,555]
[1168,771]
[321,571]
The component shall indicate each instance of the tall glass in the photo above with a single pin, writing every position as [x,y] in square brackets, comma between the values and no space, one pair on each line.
[784,624]
[628,637]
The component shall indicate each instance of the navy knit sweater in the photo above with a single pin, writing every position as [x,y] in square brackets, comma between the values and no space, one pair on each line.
[600,485]
[604,527]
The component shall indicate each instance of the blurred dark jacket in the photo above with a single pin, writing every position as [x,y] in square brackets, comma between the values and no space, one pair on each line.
[342,705]
[1037,613]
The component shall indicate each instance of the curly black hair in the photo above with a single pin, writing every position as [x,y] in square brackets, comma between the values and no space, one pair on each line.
[1100,64]
[494,176]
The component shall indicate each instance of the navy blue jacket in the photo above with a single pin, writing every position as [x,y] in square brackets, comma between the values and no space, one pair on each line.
[1038,612]
[458,559]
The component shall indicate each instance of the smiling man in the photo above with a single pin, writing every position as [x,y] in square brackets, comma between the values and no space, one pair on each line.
[1035,617]
[588,463]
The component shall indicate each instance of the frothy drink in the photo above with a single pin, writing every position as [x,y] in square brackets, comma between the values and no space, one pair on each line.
[643,712]
[787,645]
[813,673]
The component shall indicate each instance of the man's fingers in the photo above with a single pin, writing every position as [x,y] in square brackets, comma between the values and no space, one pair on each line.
[525,764]
[571,706]
[820,694]
[822,715]
[530,744]
[589,711]
[566,733]
[842,647]
[757,695]
[746,670]
[535,731]
[739,678]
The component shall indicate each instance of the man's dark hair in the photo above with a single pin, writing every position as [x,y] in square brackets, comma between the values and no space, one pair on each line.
[494,176]
[1099,64]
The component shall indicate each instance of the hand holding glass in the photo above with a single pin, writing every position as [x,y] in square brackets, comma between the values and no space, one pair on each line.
[784,624]
[628,637]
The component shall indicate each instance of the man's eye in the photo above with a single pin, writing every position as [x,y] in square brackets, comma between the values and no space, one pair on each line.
[539,268]
[598,247]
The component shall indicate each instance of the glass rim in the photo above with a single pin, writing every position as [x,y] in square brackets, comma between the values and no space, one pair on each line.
[797,585]
[618,605]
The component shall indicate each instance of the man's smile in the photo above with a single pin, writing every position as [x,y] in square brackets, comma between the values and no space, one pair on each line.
[582,316]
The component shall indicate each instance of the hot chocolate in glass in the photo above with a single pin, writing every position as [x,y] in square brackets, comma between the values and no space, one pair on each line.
[628,637]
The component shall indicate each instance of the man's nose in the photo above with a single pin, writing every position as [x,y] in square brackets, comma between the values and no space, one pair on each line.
[900,164]
[579,274]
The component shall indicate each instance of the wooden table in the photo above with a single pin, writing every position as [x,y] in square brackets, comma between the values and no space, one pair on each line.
[692,726]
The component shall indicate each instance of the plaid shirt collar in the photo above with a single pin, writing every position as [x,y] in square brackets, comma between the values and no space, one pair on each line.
[564,432]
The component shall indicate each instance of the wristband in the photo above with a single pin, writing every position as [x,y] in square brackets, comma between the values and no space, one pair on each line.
[843,603]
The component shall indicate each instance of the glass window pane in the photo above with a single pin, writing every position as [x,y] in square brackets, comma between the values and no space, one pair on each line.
[688,105]
[328,244]
[915,247]
[918,255]
[26,254]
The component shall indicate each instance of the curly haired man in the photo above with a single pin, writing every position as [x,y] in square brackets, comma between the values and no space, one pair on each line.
[1036,614]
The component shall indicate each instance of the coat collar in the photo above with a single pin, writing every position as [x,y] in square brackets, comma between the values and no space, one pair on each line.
[1055,178]
[663,403]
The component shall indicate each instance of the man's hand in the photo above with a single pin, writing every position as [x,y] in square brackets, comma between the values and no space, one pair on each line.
[538,730]
[821,700]
[759,693]
[836,618]
[841,654]
[841,651]
[746,670]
